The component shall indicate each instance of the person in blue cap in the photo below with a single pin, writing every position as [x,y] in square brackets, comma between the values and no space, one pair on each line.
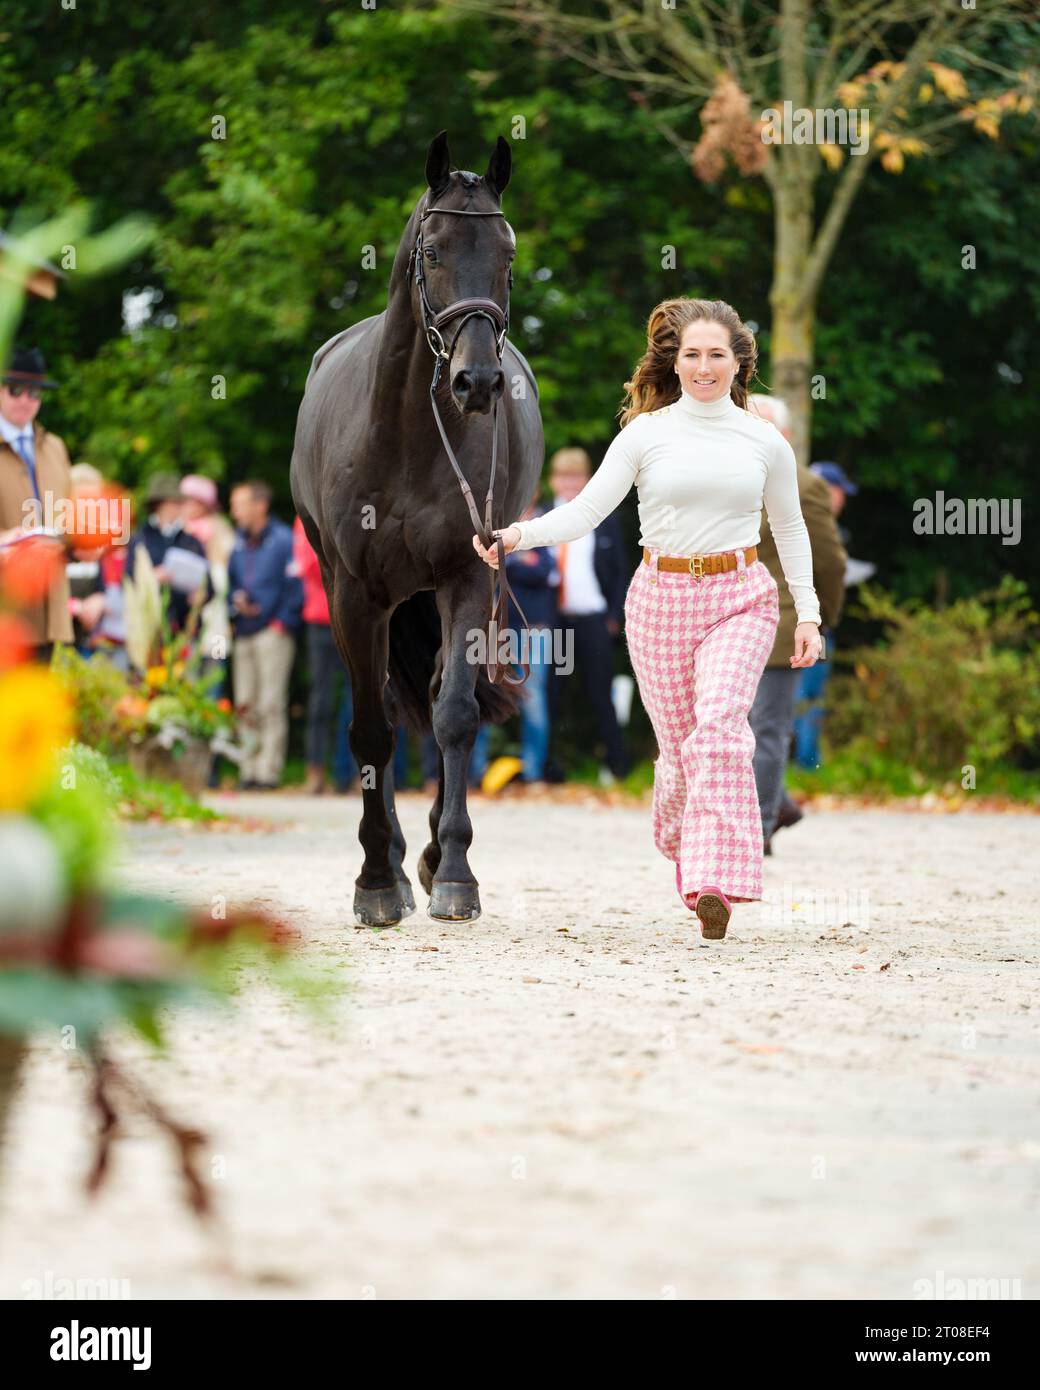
[840,486]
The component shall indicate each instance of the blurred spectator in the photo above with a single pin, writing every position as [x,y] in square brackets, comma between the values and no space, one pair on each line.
[108,634]
[325,665]
[86,598]
[772,714]
[179,559]
[534,576]
[83,570]
[266,610]
[34,483]
[593,580]
[812,685]
[96,583]
[324,668]
[204,520]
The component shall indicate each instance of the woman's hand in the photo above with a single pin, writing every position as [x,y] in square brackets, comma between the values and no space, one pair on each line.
[510,539]
[808,645]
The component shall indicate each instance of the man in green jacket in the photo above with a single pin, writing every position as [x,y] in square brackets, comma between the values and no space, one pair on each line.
[772,714]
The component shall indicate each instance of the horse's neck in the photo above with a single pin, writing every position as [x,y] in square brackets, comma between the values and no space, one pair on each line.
[402,347]
[404,369]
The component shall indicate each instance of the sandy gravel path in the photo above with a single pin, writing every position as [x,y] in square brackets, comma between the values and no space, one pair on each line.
[571,1097]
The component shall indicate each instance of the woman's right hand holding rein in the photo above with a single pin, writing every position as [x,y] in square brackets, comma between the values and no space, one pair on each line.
[510,540]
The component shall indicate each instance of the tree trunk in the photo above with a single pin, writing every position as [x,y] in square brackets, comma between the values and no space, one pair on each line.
[791,358]
[795,171]
[794,320]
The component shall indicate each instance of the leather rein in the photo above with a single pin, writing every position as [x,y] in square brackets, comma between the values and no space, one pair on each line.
[433,322]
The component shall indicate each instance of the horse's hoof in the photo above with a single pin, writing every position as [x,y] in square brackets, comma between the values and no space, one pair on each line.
[407,897]
[426,873]
[379,907]
[454,902]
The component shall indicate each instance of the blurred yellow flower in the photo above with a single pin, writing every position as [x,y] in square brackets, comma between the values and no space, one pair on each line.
[156,676]
[35,721]
[178,670]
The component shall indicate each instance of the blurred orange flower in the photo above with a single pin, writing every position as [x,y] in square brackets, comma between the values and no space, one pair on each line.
[29,569]
[156,676]
[132,708]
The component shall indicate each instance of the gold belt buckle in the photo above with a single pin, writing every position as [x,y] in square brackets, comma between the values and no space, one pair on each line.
[697,566]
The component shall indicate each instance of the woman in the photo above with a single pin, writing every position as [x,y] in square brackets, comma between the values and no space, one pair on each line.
[701,610]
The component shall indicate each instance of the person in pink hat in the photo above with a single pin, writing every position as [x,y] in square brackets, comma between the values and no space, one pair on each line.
[204,520]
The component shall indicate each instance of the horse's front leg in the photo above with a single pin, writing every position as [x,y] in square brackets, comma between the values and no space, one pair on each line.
[361,628]
[462,603]
[431,855]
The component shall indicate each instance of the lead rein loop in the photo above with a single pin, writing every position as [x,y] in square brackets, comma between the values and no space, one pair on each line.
[500,598]
[500,609]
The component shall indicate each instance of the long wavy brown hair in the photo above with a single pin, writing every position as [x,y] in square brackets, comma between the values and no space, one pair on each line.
[654,382]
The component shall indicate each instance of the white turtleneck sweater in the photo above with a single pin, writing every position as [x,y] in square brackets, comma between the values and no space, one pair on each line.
[702,471]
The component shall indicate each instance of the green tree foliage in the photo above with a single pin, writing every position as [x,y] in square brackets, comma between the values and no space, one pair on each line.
[261,236]
[945,688]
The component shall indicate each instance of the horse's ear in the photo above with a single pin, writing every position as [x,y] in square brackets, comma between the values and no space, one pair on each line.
[500,166]
[438,162]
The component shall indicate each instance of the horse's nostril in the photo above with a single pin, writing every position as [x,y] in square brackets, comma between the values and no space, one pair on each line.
[482,382]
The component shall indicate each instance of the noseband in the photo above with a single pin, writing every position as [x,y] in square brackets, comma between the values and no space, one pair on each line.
[464,310]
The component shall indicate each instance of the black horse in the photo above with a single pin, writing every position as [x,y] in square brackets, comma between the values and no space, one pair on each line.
[374,487]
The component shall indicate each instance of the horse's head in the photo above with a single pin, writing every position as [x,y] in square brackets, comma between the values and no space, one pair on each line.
[461,273]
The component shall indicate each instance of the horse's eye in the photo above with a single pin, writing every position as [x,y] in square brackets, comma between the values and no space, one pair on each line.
[430,254]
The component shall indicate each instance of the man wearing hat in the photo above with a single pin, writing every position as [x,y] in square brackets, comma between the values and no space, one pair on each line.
[34,485]
[162,532]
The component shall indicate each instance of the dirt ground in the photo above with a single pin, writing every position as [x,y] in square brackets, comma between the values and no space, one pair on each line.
[572,1097]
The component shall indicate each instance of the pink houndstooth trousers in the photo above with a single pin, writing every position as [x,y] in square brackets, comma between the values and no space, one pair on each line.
[698,648]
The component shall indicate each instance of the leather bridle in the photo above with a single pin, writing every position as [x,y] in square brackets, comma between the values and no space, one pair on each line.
[433,322]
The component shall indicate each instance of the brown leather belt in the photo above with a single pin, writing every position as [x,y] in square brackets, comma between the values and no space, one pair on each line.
[700,565]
